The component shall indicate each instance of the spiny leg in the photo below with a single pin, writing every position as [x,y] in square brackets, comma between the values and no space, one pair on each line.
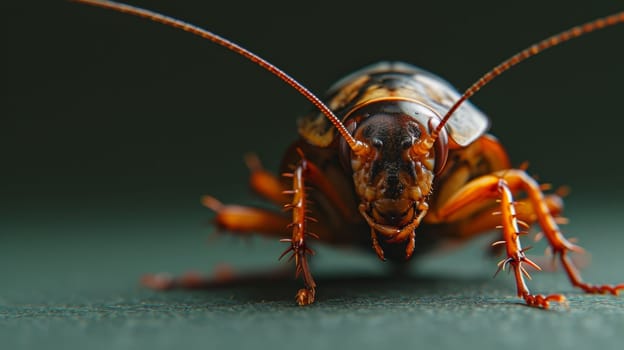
[236,219]
[480,193]
[490,186]
[265,183]
[515,254]
[270,186]
[298,246]
[246,219]
[484,189]
[489,219]
[558,243]
[232,218]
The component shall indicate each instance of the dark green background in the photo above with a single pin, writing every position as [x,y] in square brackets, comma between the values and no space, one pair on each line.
[112,127]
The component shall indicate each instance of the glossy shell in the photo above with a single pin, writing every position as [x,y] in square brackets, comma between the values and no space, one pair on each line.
[395,79]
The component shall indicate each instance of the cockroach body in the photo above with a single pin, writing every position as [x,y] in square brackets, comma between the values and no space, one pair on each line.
[388,196]
[399,160]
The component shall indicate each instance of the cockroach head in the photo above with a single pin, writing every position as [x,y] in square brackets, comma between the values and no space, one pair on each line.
[392,179]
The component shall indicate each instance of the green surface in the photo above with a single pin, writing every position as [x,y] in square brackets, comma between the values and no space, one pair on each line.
[82,292]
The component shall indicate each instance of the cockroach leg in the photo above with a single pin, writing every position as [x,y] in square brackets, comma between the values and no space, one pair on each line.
[232,218]
[265,183]
[485,189]
[222,276]
[488,220]
[188,280]
[298,246]
[245,219]
[557,241]
[575,278]
[536,207]
[516,255]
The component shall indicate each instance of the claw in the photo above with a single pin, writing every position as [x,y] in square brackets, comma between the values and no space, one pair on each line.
[543,302]
[305,296]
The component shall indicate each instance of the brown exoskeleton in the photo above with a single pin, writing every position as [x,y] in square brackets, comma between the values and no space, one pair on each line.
[400,160]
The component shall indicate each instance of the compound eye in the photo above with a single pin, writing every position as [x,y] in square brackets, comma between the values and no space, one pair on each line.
[377,143]
[440,147]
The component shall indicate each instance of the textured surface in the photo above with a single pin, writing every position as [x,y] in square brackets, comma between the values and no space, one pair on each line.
[82,292]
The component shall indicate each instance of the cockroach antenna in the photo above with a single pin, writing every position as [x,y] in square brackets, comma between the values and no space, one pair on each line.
[531,51]
[355,145]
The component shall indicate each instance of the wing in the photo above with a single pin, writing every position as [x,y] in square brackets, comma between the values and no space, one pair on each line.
[387,79]
[467,123]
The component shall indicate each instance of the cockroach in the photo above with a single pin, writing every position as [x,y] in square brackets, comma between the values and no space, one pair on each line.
[396,158]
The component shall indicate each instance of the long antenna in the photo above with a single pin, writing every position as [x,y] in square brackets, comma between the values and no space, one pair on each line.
[533,50]
[355,145]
